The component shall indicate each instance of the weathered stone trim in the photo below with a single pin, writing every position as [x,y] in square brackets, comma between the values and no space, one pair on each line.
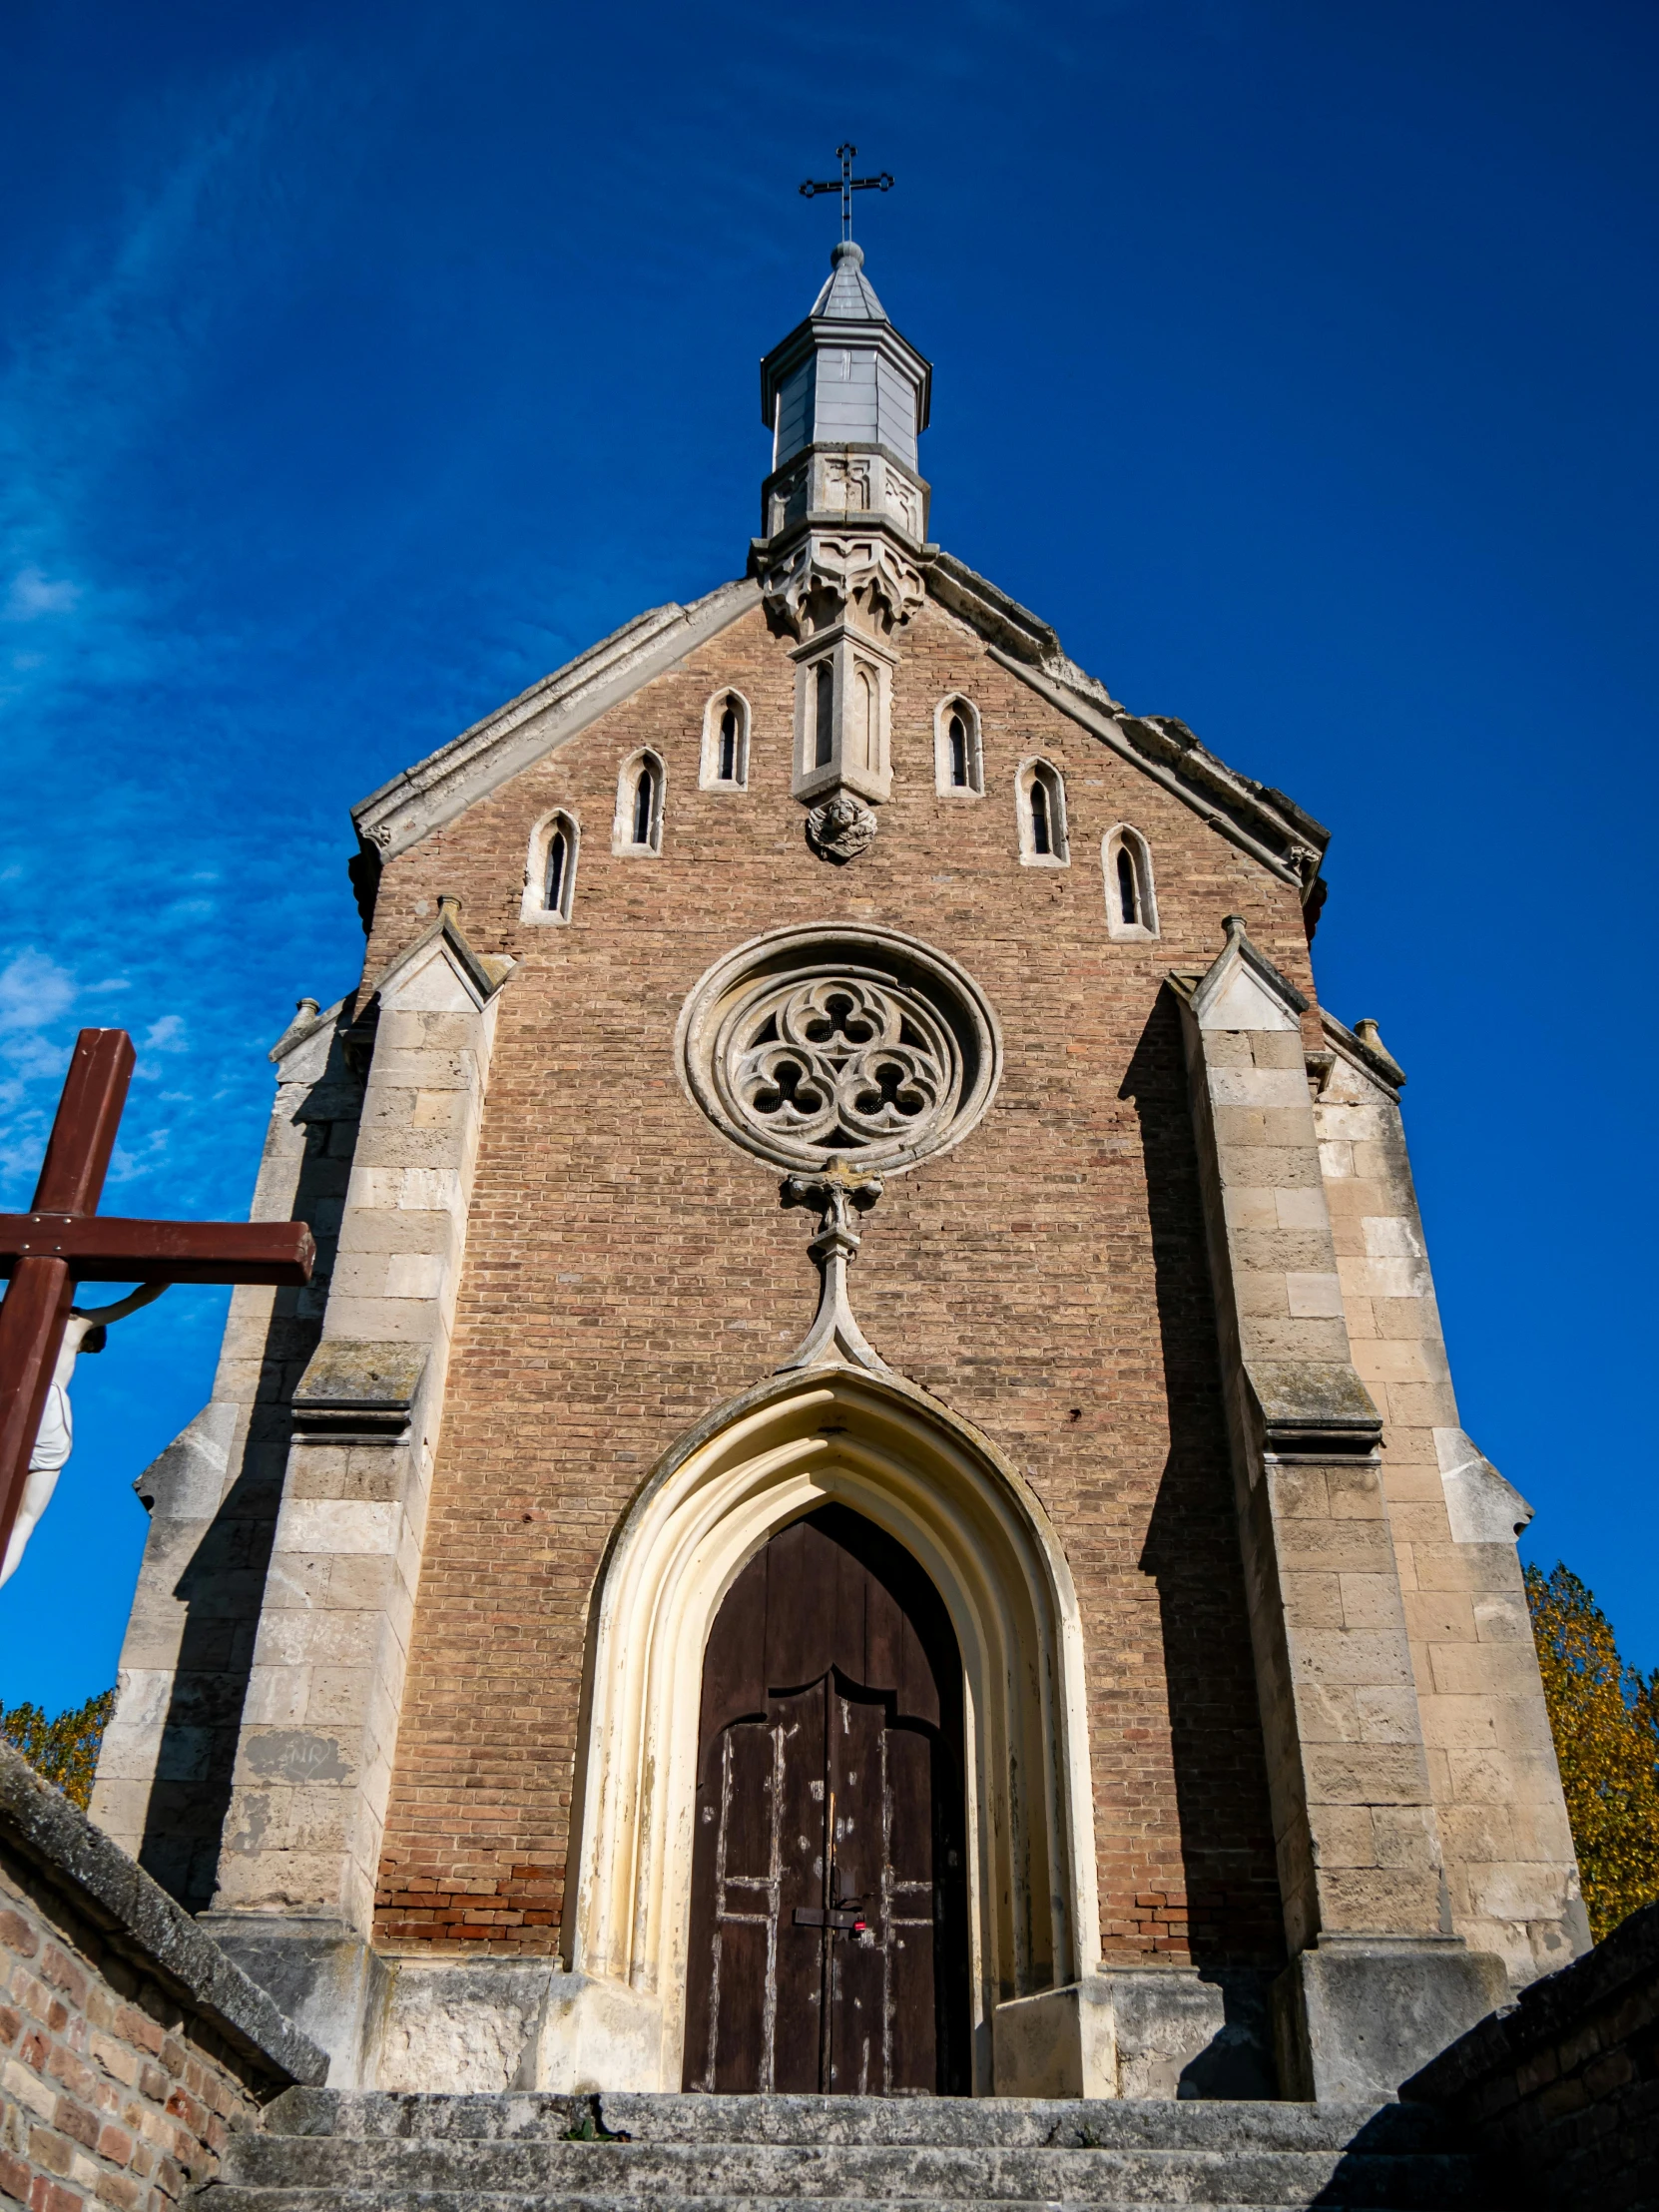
[1299,847]
[892,1453]
[100,1882]
[163,1769]
[1506,1848]
[1366,1056]
[359,1393]
[552,712]
[296,1876]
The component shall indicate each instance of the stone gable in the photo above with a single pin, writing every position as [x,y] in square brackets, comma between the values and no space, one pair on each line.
[626,1269]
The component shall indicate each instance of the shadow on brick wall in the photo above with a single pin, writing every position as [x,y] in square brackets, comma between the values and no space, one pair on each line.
[222,1582]
[1192,1553]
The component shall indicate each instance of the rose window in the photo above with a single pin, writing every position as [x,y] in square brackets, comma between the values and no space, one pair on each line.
[812,1045]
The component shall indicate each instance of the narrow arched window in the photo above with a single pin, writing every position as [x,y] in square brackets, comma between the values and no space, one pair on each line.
[725,764]
[639,806]
[958,770]
[550,869]
[824,715]
[557,861]
[1042,816]
[1130,905]
[865,728]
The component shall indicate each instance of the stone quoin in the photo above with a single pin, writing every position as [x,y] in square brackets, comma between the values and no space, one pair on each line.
[1088,1659]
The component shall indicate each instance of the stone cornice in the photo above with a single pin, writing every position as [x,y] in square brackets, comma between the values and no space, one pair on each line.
[999,620]
[540,720]
[1262,822]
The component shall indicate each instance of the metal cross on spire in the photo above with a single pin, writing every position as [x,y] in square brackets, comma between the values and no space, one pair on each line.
[846,185]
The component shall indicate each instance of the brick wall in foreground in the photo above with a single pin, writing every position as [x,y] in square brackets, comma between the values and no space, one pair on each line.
[111,2094]
[1562,2089]
[130,2046]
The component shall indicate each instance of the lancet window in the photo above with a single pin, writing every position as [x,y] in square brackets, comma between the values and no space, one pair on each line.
[1126,864]
[1041,800]
[639,806]
[823,714]
[550,869]
[958,764]
[726,743]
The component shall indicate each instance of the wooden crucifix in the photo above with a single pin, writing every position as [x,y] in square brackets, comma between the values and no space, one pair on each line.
[63,1240]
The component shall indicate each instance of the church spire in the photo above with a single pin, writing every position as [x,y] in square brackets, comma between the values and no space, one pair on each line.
[846,399]
[847,295]
[843,520]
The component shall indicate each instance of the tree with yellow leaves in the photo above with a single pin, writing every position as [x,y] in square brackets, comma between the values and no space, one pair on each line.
[63,1750]
[1604,1716]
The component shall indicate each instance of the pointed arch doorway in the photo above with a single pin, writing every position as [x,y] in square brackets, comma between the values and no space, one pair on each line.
[941,1490]
[829,1941]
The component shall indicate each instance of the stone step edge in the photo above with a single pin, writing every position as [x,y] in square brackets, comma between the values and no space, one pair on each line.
[397,2155]
[224,2197]
[1017,2123]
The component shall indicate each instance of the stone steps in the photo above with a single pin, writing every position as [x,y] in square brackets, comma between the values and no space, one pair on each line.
[1012,2123]
[330,2151]
[260,2200]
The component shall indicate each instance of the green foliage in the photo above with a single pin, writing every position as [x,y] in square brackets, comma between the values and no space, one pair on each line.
[1604,1716]
[63,1750]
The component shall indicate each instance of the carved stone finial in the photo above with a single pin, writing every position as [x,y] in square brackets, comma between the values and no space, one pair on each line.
[841,829]
[833,575]
[1370,1039]
[837,1196]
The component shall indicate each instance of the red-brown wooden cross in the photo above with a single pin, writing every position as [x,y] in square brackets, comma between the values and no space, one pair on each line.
[64,1240]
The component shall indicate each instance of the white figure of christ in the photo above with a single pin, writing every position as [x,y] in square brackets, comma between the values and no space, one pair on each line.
[83,1331]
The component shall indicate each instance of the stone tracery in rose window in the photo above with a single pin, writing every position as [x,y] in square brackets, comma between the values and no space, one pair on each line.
[860,1046]
[840,1061]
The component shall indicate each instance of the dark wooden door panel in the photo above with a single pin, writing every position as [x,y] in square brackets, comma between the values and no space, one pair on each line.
[829,1904]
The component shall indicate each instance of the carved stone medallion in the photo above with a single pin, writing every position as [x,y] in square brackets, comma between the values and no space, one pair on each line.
[841,829]
[810,1047]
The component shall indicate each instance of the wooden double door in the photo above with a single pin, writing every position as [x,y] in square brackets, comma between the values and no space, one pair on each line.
[828,1933]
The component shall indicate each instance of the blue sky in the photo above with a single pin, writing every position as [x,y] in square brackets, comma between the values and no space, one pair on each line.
[1296,362]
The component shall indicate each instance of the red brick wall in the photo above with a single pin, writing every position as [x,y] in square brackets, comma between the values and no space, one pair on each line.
[110,2093]
[627,1271]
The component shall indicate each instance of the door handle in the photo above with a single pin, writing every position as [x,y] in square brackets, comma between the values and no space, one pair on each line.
[814,1916]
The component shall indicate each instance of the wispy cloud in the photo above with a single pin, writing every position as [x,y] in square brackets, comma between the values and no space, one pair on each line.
[138,740]
[36,992]
[33,990]
[106,360]
[33,594]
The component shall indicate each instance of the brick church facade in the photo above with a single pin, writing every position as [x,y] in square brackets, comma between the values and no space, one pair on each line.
[1093,1349]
